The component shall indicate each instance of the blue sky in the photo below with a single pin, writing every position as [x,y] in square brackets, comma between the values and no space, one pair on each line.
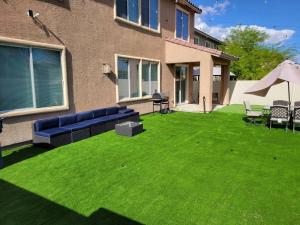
[280,19]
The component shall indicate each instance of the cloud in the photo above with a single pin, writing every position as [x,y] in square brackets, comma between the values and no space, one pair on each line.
[276,36]
[217,9]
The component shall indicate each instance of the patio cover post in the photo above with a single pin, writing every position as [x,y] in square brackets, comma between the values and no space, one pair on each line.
[225,78]
[206,83]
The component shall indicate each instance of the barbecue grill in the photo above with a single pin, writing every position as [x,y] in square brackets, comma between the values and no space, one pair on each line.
[160,99]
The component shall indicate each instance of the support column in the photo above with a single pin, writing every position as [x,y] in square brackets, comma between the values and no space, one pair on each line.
[206,84]
[224,89]
[190,84]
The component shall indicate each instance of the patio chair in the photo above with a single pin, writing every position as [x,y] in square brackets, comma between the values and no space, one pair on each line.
[251,114]
[280,114]
[280,103]
[296,115]
[297,104]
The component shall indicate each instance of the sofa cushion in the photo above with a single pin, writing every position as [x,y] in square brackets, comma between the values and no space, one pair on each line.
[112,110]
[77,126]
[99,112]
[122,107]
[125,110]
[84,116]
[116,117]
[53,132]
[45,124]
[66,120]
[97,121]
[120,116]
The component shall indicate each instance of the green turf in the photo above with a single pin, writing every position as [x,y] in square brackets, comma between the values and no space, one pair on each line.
[186,168]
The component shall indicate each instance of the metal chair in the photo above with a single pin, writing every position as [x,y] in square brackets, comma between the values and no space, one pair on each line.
[296,115]
[297,104]
[251,114]
[280,114]
[280,103]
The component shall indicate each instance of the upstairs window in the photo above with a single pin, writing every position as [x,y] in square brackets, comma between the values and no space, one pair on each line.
[141,12]
[182,25]
[128,9]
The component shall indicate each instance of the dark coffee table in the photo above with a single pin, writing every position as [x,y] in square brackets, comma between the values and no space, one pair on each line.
[129,128]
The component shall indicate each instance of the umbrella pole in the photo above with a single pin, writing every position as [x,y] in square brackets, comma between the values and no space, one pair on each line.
[289,95]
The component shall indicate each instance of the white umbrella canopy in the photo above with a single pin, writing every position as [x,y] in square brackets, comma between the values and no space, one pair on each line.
[288,71]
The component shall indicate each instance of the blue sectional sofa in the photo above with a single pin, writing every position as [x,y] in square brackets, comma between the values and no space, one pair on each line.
[66,129]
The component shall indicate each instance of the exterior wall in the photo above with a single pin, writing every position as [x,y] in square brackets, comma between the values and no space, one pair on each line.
[92,37]
[277,92]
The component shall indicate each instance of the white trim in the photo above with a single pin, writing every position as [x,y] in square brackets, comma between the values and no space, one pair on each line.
[139,24]
[141,59]
[140,79]
[189,21]
[15,41]
[32,78]
[32,44]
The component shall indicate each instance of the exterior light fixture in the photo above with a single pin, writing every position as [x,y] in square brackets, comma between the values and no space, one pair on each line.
[106,68]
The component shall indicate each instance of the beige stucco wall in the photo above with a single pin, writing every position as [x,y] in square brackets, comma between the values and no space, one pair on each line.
[277,92]
[92,37]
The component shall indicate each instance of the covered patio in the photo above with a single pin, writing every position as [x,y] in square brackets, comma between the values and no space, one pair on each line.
[182,57]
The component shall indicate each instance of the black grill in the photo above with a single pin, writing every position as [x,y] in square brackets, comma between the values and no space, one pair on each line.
[160,99]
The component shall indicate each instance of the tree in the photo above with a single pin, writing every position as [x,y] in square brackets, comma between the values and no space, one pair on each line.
[257,59]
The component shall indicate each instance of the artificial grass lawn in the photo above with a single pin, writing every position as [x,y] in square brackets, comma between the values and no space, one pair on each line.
[186,168]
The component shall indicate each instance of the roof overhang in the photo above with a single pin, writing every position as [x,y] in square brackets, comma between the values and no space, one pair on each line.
[178,51]
[189,6]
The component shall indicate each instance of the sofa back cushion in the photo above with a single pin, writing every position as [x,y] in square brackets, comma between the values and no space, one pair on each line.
[45,124]
[112,110]
[99,112]
[84,116]
[66,120]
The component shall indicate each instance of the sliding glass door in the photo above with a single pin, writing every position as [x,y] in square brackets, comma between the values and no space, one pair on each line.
[181,74]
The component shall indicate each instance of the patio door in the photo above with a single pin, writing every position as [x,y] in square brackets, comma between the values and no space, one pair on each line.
[181,74]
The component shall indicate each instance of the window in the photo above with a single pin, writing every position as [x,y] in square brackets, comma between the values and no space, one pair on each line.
[206,44]
[30,78]
[134,82]
[141,12]
[128,9]
[196,40]
[149,77]
[182,25]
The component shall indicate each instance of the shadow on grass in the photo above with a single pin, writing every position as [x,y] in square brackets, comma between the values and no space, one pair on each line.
[17,155]
[19,206]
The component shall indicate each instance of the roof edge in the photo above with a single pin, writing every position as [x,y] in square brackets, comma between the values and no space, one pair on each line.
[190,5]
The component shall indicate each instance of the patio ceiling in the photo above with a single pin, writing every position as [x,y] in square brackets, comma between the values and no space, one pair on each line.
[178,51]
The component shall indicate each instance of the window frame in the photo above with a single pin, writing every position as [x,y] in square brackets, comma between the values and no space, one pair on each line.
[139,24]
[141,59]
[198,38]
[31,44]
[189,21]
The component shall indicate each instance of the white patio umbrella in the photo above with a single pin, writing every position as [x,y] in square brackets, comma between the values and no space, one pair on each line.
[287,71]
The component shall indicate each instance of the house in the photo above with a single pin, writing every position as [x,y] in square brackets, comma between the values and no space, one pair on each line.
[62,56]
[203,39]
